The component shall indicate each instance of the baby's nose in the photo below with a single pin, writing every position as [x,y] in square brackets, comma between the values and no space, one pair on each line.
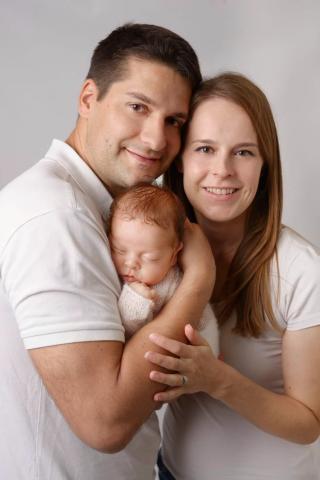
[131,263]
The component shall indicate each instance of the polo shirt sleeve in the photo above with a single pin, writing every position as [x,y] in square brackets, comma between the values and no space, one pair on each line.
[61,282]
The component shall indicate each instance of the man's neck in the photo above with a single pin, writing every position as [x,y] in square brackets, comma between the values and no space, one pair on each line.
[74,141]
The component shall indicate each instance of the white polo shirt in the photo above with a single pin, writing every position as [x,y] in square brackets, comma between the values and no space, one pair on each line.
[56,272]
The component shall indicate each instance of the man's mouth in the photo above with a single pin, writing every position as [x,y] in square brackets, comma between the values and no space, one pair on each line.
[143,156]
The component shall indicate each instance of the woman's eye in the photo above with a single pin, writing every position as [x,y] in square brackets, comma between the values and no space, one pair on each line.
[204,149]
[244,153]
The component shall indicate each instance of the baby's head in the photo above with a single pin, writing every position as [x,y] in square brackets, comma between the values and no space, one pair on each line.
[145,231]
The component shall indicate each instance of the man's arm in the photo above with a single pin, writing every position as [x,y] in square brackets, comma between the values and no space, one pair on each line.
[103,388]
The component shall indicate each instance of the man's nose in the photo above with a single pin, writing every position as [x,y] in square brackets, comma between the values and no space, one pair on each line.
[153,134]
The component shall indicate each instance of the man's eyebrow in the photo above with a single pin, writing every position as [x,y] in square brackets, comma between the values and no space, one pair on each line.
[145,99]
[142,97]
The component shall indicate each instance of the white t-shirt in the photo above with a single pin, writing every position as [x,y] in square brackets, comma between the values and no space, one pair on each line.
[203,438]
[56,272]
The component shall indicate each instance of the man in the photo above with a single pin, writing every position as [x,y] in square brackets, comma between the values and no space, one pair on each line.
[62,286]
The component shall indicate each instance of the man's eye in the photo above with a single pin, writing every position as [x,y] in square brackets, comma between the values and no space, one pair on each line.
[137,107]
[175,122]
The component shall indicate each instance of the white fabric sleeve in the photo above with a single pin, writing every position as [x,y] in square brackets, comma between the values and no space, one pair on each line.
[61,282]
[135,309]
[301,296]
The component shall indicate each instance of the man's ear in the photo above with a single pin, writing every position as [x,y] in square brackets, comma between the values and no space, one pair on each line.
[178,248]
[87,98]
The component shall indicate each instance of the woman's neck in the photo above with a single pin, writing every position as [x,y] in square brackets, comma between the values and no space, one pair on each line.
[224,239]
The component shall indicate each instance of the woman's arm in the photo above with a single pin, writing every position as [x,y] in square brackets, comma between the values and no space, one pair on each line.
[293,415]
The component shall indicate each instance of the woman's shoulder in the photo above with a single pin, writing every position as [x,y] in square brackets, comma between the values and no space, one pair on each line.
[296,257]
[297,267]
[293,247]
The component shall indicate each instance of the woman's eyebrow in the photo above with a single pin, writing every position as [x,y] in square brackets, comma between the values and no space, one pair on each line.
[246,144]
[204,140]
[209,141]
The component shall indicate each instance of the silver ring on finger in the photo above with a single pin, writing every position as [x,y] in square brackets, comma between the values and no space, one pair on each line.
[184,379]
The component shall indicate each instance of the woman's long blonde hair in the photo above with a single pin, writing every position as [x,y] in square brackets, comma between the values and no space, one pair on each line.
[247,287]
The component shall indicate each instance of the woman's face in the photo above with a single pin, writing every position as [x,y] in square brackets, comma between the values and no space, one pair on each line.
[221,161]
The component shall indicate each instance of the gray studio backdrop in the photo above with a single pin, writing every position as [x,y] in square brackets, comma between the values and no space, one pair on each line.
[45,47]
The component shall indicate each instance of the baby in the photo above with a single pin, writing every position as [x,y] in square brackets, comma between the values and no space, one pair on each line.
[145,231]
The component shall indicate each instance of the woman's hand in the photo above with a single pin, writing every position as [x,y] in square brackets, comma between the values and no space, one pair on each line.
[194,369]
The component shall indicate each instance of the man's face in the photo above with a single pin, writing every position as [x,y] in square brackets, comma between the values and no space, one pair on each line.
[133,133]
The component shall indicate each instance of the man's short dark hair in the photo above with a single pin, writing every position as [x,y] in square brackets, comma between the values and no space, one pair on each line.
[145,42]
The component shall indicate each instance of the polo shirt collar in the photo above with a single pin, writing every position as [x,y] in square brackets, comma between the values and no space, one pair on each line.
[62,153]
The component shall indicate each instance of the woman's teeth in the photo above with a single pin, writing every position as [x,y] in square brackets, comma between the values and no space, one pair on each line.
[220,191]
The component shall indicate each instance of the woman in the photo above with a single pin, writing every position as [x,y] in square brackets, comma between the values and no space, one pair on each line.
[254,414]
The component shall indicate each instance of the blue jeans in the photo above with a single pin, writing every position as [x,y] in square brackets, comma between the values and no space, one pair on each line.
[164,473]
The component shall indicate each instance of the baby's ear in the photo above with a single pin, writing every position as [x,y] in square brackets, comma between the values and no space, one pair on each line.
[177,249]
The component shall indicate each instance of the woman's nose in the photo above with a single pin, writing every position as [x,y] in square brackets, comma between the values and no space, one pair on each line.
[222,165]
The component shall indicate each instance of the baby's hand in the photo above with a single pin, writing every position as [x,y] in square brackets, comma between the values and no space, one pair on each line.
[143,290]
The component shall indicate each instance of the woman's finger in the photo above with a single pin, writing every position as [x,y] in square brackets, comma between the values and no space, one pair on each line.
[170,379]
[165,361]
[172,346]
[169,395]
[194,336]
